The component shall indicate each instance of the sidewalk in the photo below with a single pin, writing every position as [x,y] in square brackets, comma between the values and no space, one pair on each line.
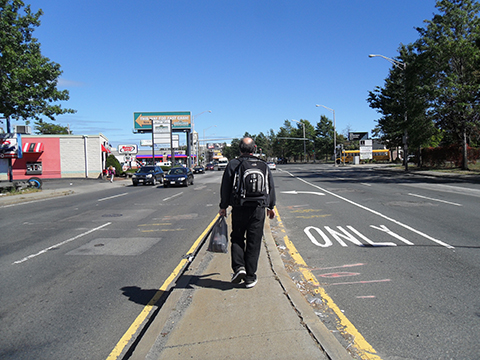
[208,317]
[64,187]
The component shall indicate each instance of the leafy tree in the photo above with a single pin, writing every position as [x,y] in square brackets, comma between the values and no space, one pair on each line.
[324,137]
[42,127]
[231,152]
[403,104]
[28,80]
[451,43]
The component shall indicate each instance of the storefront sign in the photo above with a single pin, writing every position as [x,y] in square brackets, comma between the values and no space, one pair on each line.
[127,149]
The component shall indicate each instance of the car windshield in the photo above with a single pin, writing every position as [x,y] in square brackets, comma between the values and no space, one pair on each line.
[177,171]
[147,169]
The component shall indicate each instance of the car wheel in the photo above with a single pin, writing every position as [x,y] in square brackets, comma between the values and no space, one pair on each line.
[134,184]
[154,181]
[165,185]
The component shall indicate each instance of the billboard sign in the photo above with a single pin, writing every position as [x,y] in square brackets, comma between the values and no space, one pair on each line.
[127,149]
[142,121]
[353,136]
[161,132]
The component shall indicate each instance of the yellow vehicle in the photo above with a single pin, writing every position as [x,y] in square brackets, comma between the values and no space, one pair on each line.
[349,155]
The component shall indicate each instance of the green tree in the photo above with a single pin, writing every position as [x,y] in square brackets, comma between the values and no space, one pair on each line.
[232,151]
[324,137]
[403,104]
[451,44]
[42,127]
[28,80]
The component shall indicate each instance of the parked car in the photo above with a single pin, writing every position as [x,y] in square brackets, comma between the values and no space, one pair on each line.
[209,166]
[199,169]
[272,165]
[178,176]
[148,175]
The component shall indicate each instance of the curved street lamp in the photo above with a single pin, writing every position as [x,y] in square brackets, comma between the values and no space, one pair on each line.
[334,135]
[402,66]
[204,143]
[193,129]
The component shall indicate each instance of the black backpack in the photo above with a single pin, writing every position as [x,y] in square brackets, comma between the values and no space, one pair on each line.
[250,185]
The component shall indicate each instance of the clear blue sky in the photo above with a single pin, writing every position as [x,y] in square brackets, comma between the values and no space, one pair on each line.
[253,63]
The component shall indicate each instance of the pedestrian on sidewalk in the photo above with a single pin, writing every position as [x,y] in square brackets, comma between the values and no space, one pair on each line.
[111,173]
[248,199]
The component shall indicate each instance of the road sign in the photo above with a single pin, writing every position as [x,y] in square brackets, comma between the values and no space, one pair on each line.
[352,136]
[142,121]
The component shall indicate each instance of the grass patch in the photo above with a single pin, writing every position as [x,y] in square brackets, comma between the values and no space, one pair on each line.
[12,191]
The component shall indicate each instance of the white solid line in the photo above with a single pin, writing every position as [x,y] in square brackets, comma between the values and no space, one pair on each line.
[59,244]
[443,201]
[381,215]
[111,197]
[173,196]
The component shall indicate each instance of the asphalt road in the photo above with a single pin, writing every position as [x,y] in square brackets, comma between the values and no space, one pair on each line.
[77,270]
[393,260]
[397,254]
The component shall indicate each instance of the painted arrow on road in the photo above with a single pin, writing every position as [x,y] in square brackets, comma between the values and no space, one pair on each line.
[294,192]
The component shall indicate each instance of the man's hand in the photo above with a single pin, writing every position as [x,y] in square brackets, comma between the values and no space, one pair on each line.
[222,212]
[271,213]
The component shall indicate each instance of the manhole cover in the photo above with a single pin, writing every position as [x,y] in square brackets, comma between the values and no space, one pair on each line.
[111,215]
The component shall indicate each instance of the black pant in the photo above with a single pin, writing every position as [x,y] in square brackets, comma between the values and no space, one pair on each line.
[247,232]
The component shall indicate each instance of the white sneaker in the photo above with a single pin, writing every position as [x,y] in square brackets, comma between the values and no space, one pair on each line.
[250,283]
[239,275]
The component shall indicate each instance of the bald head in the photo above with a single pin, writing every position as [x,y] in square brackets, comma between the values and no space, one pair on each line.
[247,146]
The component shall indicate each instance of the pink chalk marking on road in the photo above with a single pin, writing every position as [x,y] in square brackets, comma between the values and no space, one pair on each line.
[338,267]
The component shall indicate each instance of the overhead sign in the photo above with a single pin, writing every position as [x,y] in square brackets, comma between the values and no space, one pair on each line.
[353,136]
[142,121]
[127,149]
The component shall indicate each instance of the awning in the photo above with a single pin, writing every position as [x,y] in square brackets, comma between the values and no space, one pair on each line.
[31,148]
[104,149]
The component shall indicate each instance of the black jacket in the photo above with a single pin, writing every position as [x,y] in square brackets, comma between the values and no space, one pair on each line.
[226,189]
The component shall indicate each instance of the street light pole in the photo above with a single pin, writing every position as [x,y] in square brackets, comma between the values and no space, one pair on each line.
[204,143]
[402,66]
[334,135]
[304,146]
[193,130]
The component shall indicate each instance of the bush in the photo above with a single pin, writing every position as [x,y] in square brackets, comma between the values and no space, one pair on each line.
[113,161]
[441,156]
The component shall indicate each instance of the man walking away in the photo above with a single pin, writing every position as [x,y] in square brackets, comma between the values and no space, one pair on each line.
[247,185]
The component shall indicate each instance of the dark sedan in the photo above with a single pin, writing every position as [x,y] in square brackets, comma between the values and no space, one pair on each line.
[199,169]
[148,175]
[178,176]
[209,166]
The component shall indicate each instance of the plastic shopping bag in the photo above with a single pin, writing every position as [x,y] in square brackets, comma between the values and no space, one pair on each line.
[219,237]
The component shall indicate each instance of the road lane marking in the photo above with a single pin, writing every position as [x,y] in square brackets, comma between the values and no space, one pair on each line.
[173,196]
[60,244]
[294,192]
[133,329]
[439,242]
[111,197]
[442,201]
[359,342]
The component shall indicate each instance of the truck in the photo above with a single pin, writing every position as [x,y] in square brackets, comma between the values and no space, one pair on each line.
[221,164]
